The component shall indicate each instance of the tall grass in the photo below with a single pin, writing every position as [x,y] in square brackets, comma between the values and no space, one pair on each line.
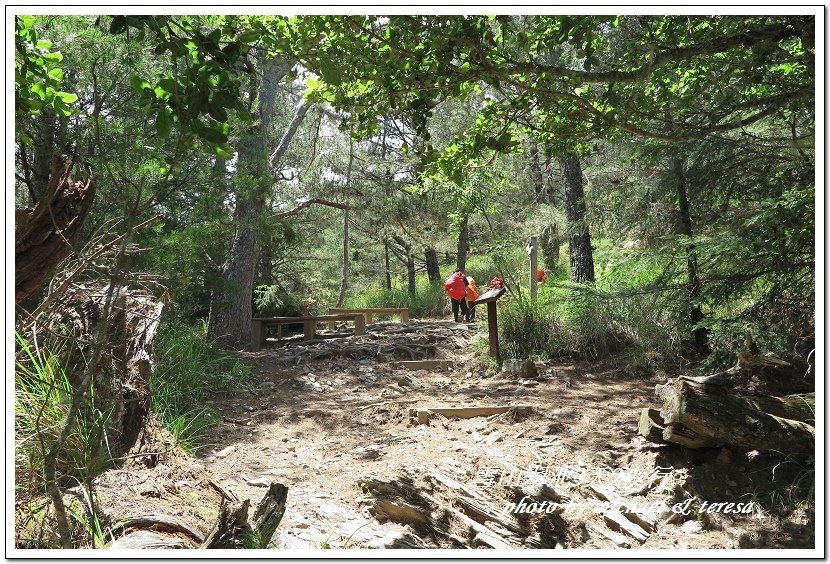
[189,370]
[43,395]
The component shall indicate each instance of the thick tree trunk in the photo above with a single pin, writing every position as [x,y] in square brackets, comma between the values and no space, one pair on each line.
[44,235]
[344,275]
[231,307]
[720,416]
[463,244]
[433,271]
[582,258]
[701,334]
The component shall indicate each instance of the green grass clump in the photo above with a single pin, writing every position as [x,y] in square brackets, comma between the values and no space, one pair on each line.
[189,370]
[43,396]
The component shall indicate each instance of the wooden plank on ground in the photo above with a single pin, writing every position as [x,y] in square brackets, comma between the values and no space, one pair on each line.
[423,413]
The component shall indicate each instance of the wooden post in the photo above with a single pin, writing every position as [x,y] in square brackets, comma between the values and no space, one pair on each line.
[405,316]
[359,324]
[257,336]
[493,329]
[532,250]
[309,329]
[489,297]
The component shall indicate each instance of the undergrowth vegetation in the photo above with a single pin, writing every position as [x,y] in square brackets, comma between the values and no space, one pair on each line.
[189,370]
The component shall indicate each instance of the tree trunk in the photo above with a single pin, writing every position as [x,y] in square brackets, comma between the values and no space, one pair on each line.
[536,176]
[463,244]
[433,271]
[716,414]
[44,234]
[407,257]
[701,334]
[550,242]
[231,308]
[344,275]
[582,258]
[388,272]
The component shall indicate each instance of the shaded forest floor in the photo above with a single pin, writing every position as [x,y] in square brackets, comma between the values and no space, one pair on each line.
[332,417]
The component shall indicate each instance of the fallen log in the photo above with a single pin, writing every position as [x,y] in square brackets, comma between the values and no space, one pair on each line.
[714,414]
[654,429]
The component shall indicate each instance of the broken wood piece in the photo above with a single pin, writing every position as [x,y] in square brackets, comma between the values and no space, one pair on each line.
[618,522]
[424,413]
[233,530]
[428,364]
[478,528]
[484,512]
[616,538]
[490,540]
[398,511]
[456,485]
[651,425]
[632,511]
[148,540]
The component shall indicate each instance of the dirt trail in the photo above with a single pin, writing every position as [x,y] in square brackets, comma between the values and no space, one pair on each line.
[324,417]
[333,420]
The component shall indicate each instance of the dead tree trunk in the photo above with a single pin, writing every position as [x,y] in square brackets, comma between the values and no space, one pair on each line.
[715,413]
[44,234]
[433,271]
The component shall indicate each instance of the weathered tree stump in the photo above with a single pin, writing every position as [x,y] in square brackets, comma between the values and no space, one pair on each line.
[44,234]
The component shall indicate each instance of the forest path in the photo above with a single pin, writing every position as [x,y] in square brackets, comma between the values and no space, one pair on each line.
[322,417]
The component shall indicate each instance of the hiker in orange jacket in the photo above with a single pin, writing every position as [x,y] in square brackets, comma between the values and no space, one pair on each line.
[472,295]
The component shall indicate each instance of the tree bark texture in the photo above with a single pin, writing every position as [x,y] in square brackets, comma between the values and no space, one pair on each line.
[701,334]
[44,234]
[726,417]
[463,244]
[433,270]
[582,257]
[121,382]
[231,308]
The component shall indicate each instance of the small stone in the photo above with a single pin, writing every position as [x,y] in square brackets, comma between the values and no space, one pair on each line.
[225,451]
[691,527]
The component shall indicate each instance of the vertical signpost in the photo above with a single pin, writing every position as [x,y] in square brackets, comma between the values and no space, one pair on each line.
[532,250]
[489,297]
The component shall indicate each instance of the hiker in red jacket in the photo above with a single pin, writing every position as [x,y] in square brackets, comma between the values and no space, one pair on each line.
[455,287]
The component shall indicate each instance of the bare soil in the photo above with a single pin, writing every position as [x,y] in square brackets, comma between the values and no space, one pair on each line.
[326,418]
